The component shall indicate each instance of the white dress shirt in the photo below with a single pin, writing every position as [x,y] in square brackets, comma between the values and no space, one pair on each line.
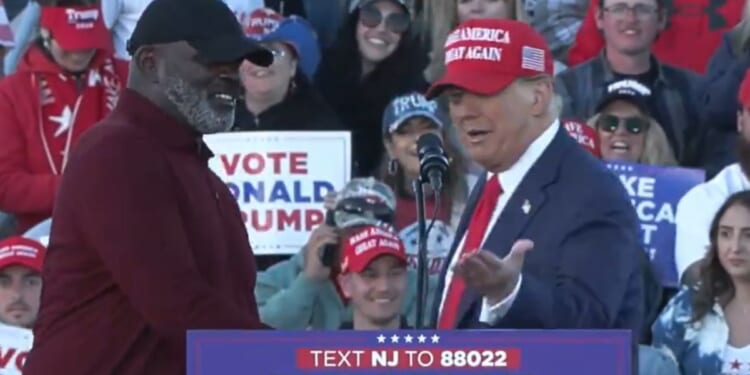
[696,210]
[509,181]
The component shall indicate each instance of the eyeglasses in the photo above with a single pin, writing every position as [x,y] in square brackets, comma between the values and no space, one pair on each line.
[633,125]
[640,11]
[396,23]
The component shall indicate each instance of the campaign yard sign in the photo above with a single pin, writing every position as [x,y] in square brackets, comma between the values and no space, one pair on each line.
[280,180]
[537,352]
[655,192]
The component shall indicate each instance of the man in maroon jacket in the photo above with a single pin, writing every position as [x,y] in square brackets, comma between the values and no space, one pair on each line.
[146,241]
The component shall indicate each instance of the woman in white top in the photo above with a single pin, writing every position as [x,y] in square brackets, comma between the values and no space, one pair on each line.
[706,327]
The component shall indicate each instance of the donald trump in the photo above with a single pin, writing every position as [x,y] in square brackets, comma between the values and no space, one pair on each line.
[548,238]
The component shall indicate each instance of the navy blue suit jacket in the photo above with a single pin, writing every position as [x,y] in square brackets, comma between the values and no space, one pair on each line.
[583,271]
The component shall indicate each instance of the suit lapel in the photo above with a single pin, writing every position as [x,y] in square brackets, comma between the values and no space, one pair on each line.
[528,198]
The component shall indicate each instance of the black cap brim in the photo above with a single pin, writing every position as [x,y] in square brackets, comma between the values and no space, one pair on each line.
[228,49]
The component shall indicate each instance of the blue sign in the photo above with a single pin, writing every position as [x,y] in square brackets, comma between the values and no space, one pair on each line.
[538,352]
[655,192]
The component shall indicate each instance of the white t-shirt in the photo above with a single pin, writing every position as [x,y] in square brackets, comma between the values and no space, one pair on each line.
[736,361]
[15,344]
[696,210]
[121,16]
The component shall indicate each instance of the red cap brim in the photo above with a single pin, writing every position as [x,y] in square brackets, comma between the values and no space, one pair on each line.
[472,81]
[368,257]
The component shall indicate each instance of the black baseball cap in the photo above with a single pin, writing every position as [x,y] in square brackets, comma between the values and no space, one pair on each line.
[209,26]
[629,90]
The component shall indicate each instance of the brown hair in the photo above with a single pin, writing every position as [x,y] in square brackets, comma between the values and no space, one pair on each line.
[455,182]
[714,284]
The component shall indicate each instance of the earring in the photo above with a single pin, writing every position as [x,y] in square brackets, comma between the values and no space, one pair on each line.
[392,167]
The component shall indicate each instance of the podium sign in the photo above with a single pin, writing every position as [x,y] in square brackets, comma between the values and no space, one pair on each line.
[537,352]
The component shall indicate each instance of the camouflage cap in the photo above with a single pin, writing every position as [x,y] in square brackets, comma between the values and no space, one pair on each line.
[365,201]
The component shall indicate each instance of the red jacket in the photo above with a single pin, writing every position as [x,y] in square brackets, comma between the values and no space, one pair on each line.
[692,35]
[27,183]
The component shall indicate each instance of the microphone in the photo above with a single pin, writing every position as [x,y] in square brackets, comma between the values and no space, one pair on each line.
[433,163]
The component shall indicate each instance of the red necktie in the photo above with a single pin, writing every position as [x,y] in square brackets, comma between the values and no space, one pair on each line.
[480,220]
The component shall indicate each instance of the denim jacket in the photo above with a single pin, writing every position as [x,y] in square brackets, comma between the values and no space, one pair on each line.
[697,347]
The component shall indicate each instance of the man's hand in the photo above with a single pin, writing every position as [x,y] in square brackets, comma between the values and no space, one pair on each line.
[493,277]
[321,236]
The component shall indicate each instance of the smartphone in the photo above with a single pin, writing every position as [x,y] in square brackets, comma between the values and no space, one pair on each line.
[329,253]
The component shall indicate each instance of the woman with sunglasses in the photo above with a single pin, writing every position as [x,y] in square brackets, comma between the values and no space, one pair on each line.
[374,59]
[625,128]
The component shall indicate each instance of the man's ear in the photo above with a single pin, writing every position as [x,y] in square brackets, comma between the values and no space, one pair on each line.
[146,60]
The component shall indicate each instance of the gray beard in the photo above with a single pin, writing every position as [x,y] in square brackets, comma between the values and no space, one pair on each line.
[193,104]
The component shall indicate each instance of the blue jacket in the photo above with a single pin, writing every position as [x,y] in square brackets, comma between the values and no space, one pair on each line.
[697,347]
[583,271]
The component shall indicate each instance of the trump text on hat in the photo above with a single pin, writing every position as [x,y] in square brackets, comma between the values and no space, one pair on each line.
[82,19]
[412,102]
[300,188]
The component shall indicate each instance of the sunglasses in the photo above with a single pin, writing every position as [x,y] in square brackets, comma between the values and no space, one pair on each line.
[633,125]
[371,17]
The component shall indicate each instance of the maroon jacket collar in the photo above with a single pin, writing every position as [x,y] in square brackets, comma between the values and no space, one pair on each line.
[139,111]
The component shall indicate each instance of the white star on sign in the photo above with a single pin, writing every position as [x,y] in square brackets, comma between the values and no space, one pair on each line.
[421,339]
[381,339]
[394,339]
[64,120]
[407,339]
[435,339]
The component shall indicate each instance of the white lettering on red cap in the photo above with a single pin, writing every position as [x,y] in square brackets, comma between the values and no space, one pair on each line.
[473,53]
[478,34]
[372,231]
[576,131]
[18,250]
[376,243]
[82,19]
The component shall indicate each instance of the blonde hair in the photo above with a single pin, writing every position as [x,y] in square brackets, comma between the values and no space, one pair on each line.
[439,18]
[656,148]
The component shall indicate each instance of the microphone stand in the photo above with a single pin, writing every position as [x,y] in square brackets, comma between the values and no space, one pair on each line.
[421,253]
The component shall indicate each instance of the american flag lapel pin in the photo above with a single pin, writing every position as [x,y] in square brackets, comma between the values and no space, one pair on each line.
[526,208]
